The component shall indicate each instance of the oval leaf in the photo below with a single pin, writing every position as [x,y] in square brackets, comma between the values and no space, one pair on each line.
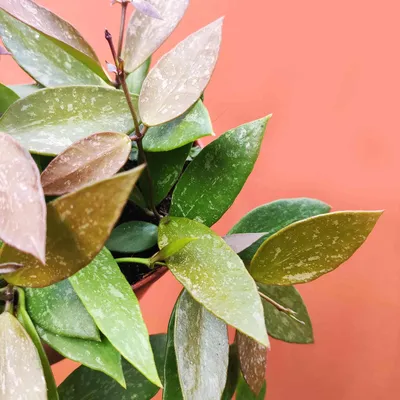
[215,276]
[78,224]
[244,392]
[272,217]
[313,247]
[208,188]
[135,79]
[146,8]
[49,121]
[7,97]
[25,90]
[241,241]
[110,300]
[145,34]
[22,204]
[180,76]
[89,160]
[18,379]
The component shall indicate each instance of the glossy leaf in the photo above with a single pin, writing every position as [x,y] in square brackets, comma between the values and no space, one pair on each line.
[215,177]
[7,97]
[307,249]
[78,224]
[146,8]
[85,383]
[172,248]
[113,305]
[135,79]
[145,34]
[272,217]
[241,241]
[100,356]
[180,76]
[19,380]
[214,275]
[185,129]
[22,204]
[133,237]
[244,392]
[280,325]
[25,90]
[50,120]
[202,348]
[91,159]
[58,309]
[233,373]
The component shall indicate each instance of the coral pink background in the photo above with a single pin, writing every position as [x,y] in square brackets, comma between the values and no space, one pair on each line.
[329,72]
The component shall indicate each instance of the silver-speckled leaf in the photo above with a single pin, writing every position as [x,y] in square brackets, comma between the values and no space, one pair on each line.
[22,204]
[180,76]
[88,160]
[21,373]
[50,120]
[241,241]
[146,8]
[145,34]
[202,349]
[307,249]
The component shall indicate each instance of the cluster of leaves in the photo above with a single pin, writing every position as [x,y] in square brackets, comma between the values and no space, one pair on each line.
[66,138]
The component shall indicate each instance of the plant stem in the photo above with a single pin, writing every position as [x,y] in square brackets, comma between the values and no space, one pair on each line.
[9,306]
[122,79]
[144,261]
[124,6]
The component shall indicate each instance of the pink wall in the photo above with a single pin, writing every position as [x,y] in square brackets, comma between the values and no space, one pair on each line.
[330,74]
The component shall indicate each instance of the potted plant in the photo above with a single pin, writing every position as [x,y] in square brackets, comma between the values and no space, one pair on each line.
[104,186]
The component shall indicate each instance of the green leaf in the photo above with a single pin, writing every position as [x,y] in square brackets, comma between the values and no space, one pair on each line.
[85,383]
[244,392]
[241,241]
[100,356]
[135,79]
[215,276]
[42,58]
[233,373]
[179,78]
[185,129]
[133,237]
[202,348]
[307,249]
[113,305]
[26,322]
[272,217]
[21,373]
[78,224]
[25,90]
[58,309]
[215,177]
[170,249]
[280,325]
[7,97]
[50,120]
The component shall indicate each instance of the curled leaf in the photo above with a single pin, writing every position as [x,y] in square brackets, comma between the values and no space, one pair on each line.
[146,8]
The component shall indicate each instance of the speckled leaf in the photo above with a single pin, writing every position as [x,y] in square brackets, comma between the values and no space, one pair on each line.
[113,305]
[280,325]
[133,237]
[78,224]
[100,356]
[185,129]
[244,392]
[88,160]
[170,249]
[58,309]
[49,121]
[135,79]
[208,186]
[253,361]
[274,216]
[307,249]
[85,383]
[233,373]
[22,204]
[25,90]
[215,276]
[145,34]
[146,8]
[202,348]
[180,76]
[19,380]
[241,241]
[7,97]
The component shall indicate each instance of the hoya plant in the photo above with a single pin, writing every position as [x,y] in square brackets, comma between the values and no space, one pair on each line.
[104,186]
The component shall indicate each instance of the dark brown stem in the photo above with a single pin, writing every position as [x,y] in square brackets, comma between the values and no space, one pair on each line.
[109,39]
[9,297]
[124,6]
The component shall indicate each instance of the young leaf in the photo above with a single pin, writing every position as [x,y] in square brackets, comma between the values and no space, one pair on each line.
[25,90]
[135,79]
[241,241]
[50,120]
[58,309]
[170,249]
[215,177]
[110,300]
[100,356]
[78,224]
[233,373]
[145,34]
[244,392]
[133,237]
[91,159]
[185,129]
[22,204]
[274,216]
[215,276]
[7,97]
[21,375]
[180,76]
[202,348]
[146,8]
[279,324]
[307,249]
